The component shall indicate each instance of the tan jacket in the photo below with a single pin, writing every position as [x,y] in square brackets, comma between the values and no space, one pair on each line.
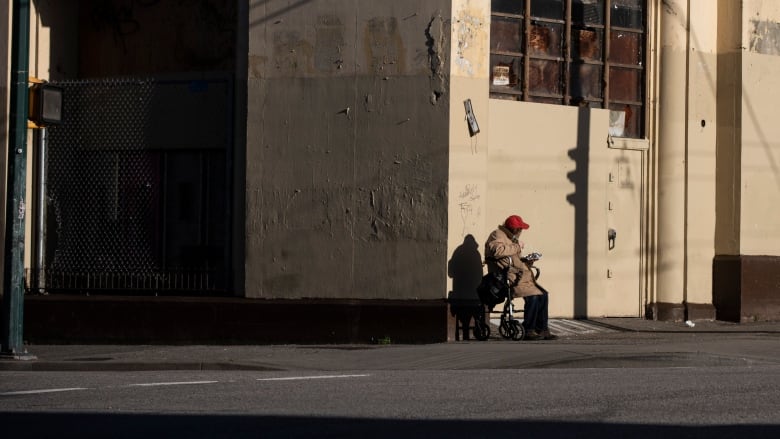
[501,252]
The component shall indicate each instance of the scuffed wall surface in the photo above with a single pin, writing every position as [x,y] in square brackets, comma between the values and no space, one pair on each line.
[347,149]
[765,37]
[471,27]
[761,26]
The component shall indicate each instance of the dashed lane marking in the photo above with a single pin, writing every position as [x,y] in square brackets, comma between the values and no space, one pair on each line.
[175,383]
[34,392]
[316,377]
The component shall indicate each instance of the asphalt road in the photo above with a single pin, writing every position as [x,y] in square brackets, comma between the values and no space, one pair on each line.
[712,402]
[659,382]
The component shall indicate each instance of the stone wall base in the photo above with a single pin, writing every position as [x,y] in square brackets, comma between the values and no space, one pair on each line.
[61,319]
[679,312]
[746,288]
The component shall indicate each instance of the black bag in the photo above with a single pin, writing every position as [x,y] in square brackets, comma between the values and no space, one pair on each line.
[494,288]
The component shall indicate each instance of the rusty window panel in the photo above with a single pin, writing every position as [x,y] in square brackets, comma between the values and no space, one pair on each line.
[586,44]
[628,13]
[587,12]
[544,77]
[506,35]
[585,81]
[626,47]
[552,9]
[545,39]
[625,84]
[516,7]
[505,73]
[555,51]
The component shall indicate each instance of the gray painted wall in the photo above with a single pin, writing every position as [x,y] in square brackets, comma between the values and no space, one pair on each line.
[347,149]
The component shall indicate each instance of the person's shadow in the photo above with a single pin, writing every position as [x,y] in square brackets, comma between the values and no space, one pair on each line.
[465,269]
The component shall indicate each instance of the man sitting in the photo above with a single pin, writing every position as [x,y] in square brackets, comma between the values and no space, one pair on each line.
[503,249]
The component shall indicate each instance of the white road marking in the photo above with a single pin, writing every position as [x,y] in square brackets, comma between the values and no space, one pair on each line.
[175,383]
[567,326]
[33,392]
[316,377]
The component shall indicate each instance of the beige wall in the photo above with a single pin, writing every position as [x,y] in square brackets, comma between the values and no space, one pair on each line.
[347,149]
[54,29]
[468,186]
[748,163]
[529,168]
[760,132]
[701,151]
[51,57]
[522,161]
[729,114]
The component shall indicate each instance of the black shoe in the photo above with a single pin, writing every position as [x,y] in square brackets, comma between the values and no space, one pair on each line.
[532,336]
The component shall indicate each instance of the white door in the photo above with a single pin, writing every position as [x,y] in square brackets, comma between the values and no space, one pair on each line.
[624,210]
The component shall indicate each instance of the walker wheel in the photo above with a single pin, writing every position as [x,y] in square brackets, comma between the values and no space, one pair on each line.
[505,329]
[518,332]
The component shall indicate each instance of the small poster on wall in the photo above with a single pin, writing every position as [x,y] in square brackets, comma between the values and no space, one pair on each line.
[501,75]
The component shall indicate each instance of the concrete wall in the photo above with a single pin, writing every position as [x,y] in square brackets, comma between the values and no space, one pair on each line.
[131,38]
[748,162]
[347,149]
[760,132]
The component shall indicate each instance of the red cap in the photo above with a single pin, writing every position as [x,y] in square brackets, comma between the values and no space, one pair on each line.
[514,222]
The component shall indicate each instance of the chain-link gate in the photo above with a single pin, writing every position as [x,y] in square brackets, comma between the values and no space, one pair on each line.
[137,188]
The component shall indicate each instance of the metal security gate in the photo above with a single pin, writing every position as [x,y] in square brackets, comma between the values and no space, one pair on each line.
[138,188]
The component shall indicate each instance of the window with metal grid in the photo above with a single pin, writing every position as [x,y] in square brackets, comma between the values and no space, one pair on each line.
[137,188]
[572,52]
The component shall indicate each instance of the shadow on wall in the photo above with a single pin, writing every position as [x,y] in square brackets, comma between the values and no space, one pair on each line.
[579,199]
[465,269]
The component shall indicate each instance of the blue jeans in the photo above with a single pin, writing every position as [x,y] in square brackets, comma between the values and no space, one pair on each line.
[535,312]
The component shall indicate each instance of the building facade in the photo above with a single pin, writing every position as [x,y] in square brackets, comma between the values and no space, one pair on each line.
[372,146]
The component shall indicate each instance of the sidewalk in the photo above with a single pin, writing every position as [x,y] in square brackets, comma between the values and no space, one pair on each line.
[622,338]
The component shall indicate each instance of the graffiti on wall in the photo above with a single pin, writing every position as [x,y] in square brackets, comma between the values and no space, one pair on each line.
[120,37]
[470,211]
[119,18]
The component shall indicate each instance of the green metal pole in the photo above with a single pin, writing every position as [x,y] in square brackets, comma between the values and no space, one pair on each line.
[15,209]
